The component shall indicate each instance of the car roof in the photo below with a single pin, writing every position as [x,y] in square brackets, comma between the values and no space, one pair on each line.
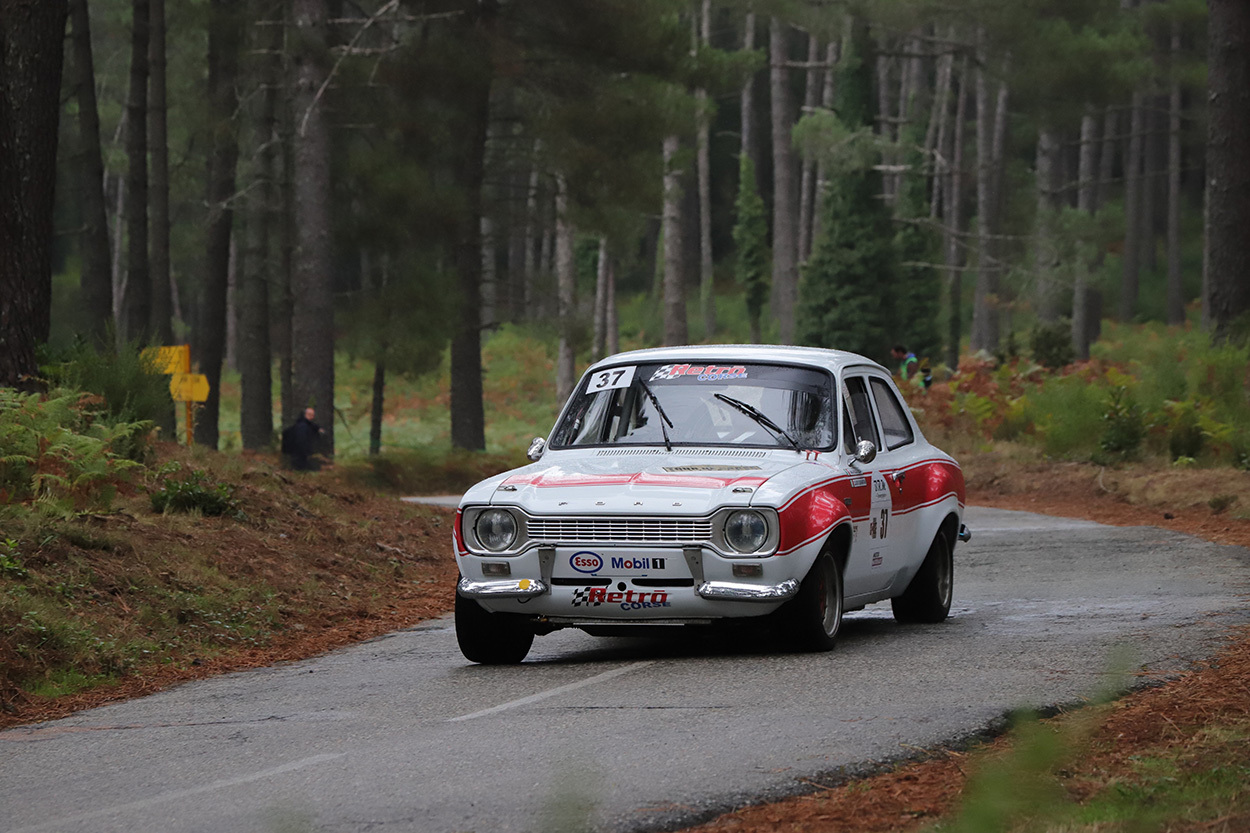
[783,354]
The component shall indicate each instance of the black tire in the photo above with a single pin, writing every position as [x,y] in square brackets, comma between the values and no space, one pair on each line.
[927,600]
[490,638]
[814,615]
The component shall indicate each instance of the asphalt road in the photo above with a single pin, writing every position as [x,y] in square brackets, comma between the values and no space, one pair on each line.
[401,734]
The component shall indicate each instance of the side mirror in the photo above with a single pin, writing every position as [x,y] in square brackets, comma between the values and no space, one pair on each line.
[865,451]
[538,446]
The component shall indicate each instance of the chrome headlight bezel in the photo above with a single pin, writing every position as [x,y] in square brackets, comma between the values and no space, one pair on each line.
[760,534]
[488,540]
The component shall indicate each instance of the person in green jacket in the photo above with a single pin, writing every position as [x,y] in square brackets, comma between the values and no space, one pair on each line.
[908,364]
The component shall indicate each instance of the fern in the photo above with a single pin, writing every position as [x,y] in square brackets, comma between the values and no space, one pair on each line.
[55,453]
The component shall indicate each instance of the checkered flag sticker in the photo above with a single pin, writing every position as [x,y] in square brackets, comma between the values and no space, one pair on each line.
[581,598]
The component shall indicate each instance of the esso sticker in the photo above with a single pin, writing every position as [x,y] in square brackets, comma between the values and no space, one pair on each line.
[586,562]
[615,377]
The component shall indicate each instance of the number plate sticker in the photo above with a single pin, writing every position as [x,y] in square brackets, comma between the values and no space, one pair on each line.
[615,377]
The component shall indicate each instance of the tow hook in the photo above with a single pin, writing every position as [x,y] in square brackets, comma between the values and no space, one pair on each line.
[965,534]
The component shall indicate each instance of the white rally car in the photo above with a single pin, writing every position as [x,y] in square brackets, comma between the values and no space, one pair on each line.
[696,485]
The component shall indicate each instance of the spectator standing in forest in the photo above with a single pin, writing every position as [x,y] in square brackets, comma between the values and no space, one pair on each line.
[907,362]
[299,441]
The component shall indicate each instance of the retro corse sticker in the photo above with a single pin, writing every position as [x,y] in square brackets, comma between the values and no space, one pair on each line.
[627,599]
[701,372]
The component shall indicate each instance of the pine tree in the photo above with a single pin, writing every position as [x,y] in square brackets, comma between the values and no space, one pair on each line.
[750,240]
[918,301]
[846,298]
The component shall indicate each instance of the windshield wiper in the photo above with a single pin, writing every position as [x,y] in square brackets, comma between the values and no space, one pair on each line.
[668,445]
[757,415]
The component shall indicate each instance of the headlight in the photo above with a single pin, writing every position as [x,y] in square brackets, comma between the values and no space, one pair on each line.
[495,529]
[746,530]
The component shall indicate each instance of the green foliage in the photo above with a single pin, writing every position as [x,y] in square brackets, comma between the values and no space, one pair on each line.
[1124,426]
[751,242]
[1019,787]
[11,560]
[845,298]
[193,491]
[1051,344]
[57,452]
[847,294]
[129,390]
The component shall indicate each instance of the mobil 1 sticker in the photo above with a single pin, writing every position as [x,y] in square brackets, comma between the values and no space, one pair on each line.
[591,563]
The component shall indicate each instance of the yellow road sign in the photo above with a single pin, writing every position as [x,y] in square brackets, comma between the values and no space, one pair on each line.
[188,387]
[174,359]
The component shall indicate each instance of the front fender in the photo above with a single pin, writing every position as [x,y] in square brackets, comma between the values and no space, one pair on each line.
[811,516]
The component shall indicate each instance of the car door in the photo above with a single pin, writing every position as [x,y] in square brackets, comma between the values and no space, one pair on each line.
[896,459]
[870,567]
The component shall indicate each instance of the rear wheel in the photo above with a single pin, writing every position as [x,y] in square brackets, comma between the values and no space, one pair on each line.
[928,598]
[815,614]
[490,638]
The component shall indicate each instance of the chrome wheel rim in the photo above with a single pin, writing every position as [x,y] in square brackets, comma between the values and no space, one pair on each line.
[830,599]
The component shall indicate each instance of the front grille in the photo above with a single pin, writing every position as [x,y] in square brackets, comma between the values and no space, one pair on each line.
[619,530]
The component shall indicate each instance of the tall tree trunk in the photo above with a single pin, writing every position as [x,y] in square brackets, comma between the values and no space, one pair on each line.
[601,302]
[749,145]
[532,230]
[468,419]
[785,205]
[490,277]
[1086,195]
[312,313]
[32,36]
[1130,273]
[1044,257]
[707,290]
[376,408]
[1176,289]
[137,303]
[119,269]
[96,283]
[674,278]
[954,222]
[807,179]
[885,117]
[566,293]
[255,357]
[1228,167]
[158,139]
[225,35]
[1106,158]
[984,310]
[1154,156]
[613,345]
[283,299]
[935,143]
[822,173]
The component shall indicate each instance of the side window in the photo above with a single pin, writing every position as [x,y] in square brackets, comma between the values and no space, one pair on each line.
[859,414]
[894,424]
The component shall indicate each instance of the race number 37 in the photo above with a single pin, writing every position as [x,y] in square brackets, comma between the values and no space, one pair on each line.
[616,377]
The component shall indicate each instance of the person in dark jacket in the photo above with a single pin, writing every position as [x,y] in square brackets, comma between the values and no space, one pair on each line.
[299,442]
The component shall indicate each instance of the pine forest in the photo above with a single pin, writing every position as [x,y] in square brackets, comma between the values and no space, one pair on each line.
[282,182]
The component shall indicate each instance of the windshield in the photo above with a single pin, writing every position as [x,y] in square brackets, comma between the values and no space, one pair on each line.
[761,405]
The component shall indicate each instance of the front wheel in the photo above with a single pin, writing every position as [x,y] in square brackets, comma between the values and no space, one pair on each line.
[927,600]
[815,613]
[490,638]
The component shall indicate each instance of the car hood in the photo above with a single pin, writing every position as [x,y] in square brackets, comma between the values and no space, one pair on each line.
[681,483]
